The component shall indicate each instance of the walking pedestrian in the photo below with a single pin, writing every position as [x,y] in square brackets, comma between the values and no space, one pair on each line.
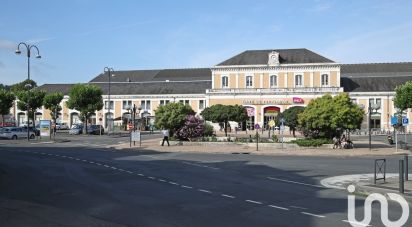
[165,133]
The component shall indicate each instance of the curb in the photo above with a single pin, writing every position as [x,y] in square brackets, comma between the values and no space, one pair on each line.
[370,189]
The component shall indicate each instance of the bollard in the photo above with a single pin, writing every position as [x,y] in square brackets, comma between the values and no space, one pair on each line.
[406,168]
[401,182]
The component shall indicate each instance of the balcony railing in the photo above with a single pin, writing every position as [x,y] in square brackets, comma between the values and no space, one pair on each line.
[274,90]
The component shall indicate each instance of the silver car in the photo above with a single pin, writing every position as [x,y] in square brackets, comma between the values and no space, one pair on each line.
[15,133]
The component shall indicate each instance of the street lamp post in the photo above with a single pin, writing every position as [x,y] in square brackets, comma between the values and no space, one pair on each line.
[28,86]
[109,71]
[372,107]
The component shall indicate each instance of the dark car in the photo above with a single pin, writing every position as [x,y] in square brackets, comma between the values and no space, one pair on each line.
[95,129]
[76,129]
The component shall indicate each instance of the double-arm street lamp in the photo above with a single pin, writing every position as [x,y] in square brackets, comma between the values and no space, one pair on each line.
[110,72]
[28,86]
[373,107]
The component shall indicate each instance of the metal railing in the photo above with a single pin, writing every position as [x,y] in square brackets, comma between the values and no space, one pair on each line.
[275,90]
[380,169]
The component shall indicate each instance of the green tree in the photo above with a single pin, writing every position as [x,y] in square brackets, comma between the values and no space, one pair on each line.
[6,102]
[52,102]
[225,113]
[33,99]
[22,86]
[403,96]
[290,116]
[326,115]
[86,99]
[172,116]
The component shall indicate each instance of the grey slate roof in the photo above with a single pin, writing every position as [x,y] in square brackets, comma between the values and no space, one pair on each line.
[286,56]
[375,76]
[49,88]
[156,75]
[150,88]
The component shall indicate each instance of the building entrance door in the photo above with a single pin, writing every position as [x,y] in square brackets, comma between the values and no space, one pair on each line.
[269,113]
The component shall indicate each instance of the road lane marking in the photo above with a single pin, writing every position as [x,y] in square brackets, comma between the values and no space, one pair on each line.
[199,165]
[303,208]
[253,201]
[295,182]
[142,175]
[127,171]
[174,183]
[98,164]
[91,162]
[113,167]
[314,215]
[356,223]
[106,166]
[152,178]
[161,180]
[205,191]
[228,196]
[278,207]
[184,186]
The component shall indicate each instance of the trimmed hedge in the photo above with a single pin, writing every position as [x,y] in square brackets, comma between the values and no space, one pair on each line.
[311,142]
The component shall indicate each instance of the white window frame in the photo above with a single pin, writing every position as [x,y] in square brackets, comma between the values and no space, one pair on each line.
[144,104]
[270,81]
[129,103]
[251,81]
[163,102]
[327,80]
[295,80]
[106,103]
[204,104]
[227,81]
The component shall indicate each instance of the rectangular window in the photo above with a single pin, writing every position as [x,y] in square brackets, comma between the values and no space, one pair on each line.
[298,80]
[273,81]
[225,81]
[249,81]
[164,102]
[201,104]
[126,104]
[106,105]
[145,104]
[186,102]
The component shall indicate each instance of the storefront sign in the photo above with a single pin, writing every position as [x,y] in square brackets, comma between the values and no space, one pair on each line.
[266,102]
[45,126]
[298,100]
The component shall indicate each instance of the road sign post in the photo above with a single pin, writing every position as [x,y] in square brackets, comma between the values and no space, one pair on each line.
[405,123]
[282,128]
[257,127]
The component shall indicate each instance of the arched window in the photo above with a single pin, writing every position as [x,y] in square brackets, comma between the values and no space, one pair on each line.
[325,79]
[249,81]
[298,80]
[273,81]
[225,81]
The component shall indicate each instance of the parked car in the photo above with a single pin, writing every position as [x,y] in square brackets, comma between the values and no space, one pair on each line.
[95,129]
[32,129]
[62,126]
[15,133]
[76,130]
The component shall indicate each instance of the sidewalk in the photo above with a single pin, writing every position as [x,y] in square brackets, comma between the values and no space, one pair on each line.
[361,149]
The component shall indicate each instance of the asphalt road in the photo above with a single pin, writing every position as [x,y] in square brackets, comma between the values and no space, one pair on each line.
[64,185]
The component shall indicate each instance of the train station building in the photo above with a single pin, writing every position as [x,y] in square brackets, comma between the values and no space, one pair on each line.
[266,82]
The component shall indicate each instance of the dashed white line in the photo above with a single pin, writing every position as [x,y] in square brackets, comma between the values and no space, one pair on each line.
[303,208]
[77,159]
[205,191]
[253,201]
[98,164]
[174,183]
[106,166]
[161,180]
[127,171]
[121,169]
[313,215]
[228,196]
[295,182]
[84,160]
[184,186]
[151,178]
[278,207]
[113,167]
[91,162]
[142,175]
[356,223]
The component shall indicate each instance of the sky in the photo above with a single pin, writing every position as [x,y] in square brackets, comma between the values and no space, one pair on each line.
[78,38]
